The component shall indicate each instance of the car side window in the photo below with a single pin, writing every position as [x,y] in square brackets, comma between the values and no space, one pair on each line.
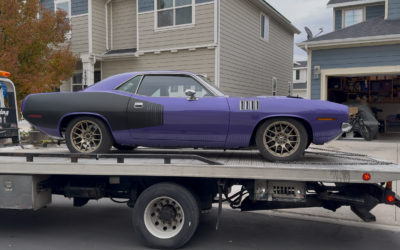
[170,86]
[131,85]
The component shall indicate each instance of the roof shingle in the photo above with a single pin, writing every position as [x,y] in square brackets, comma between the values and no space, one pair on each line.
[374,27]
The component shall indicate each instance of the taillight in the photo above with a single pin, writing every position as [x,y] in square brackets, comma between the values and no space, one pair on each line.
[35,116]
[366,177]
[390,198]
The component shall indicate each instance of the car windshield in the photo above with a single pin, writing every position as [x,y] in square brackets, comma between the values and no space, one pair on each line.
[211,85]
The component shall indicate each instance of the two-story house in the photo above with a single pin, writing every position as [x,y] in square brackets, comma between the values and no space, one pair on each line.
[300,79]
[360,58]
[243,46]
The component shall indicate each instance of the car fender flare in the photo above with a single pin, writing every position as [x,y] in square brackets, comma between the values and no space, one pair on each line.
[75,114]
[308,126]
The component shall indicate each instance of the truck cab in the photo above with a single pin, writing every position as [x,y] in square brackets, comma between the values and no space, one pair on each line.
[8,111]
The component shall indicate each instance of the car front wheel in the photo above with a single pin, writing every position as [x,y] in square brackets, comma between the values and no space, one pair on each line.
[88,135]
[282,139]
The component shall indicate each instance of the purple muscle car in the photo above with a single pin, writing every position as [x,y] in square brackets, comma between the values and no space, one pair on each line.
[182,110]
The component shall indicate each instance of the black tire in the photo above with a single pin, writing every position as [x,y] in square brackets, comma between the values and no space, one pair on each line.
[105,142]
[189,204]
[294,153]
[123,147]
[366,133]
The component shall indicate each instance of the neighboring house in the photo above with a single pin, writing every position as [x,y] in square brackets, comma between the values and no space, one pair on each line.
[300,79]
[243,46]
[360,58]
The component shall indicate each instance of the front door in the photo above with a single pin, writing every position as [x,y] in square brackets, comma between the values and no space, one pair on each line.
[160,114]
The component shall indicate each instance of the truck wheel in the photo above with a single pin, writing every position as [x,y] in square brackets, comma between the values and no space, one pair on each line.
[166,216]
[123,147]
[88,135]
[282,139]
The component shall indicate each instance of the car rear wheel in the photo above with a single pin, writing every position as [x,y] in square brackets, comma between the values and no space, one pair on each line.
[88,135]
[282,139]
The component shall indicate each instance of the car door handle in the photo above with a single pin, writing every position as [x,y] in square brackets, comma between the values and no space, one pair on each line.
[138,105]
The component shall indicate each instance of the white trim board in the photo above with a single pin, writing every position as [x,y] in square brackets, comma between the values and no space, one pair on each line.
[348,41]
[353,3]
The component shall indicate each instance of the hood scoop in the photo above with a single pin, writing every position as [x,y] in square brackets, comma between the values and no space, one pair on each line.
[249,105]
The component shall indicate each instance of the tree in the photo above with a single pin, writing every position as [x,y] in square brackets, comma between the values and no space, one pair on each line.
[34,47]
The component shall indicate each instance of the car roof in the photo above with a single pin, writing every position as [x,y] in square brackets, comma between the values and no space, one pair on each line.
[112,82]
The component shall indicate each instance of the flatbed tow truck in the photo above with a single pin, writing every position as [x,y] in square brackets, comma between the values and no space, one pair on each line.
[169,189]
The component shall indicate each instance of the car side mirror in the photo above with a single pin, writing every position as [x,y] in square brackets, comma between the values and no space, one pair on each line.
[191,93]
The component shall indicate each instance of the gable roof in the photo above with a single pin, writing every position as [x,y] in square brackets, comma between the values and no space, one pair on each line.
[265,7]
[375,29]
[343,3]
[300,64]
[377,26]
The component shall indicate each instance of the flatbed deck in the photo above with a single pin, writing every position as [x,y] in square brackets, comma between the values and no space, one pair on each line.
[316,165]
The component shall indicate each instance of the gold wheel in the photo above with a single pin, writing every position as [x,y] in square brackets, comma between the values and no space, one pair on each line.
[86,136]
[281,139]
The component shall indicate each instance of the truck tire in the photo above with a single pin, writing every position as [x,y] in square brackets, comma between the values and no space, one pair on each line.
[166,216]
[88,135]
[282,139]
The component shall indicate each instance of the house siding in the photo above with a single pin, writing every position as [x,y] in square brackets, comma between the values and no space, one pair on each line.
[248,63]
[124,24]
[79,7]
[80,37]
[394,9]
[98,26]
[201,61]
[201,34]
[338,19]
[368,56]
[374,11]
[48,4]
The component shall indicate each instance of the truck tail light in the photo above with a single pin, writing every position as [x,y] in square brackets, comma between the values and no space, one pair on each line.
[366,177]
[390,198]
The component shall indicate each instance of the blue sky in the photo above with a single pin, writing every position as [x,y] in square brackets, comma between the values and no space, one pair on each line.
[302,13]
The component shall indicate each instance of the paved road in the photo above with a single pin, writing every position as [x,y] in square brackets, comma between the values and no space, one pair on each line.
[106,225]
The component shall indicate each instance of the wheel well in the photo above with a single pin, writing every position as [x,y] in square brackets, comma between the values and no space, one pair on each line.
[68,119]
[305,123]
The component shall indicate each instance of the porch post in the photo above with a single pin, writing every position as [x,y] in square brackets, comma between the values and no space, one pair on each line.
[87,70]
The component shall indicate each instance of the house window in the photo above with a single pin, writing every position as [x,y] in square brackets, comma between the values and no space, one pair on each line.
[64,5]
[264,27]
[290,88]
[298,74]
[352,17]
[77,80]
[174,89]
[174,12]
[274,86]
